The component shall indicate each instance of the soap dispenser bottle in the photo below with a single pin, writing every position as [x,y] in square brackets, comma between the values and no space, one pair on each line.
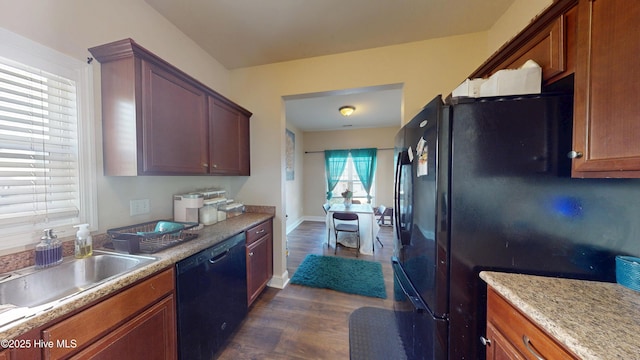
[49,250]
[84,244]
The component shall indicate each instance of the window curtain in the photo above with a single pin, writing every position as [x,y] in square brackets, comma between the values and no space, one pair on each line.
[365,161]
[334,162]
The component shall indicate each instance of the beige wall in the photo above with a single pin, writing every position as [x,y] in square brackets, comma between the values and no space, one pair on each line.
[516,18]
[294,208]
[424,69]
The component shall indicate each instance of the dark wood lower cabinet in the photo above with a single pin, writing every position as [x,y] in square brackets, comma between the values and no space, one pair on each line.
[259,259]
[511,335]
[151,335]
[139,320]
[499,348]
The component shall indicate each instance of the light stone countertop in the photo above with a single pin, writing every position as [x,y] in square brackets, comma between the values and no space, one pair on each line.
[595,320]
[208,236]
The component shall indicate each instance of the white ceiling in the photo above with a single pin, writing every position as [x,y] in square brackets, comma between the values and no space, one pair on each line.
[375,107]
[241,33]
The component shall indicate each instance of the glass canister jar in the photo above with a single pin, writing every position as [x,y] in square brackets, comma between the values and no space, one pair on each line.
[209,210]
[232,210]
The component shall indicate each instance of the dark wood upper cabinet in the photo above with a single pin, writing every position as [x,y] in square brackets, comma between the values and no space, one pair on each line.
[157,120]
[259,259]
[229,134]
[174,115]
[597,42]
[606,116]
[549,40]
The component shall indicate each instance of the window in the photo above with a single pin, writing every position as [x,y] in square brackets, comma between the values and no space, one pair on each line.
[46,179]
[350,169]
[350,180]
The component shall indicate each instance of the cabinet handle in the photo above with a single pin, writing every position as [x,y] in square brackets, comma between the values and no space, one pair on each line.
[260,231]
[527,344]
[574,154]
[215,166]
[251,253]
[485,341]
[205,165]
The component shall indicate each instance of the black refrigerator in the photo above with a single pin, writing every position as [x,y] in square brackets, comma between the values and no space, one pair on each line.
[484,184]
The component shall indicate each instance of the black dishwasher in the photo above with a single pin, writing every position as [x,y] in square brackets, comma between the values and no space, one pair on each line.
[211,289]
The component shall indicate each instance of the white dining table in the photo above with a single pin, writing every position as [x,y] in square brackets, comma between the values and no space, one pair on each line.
[368,225]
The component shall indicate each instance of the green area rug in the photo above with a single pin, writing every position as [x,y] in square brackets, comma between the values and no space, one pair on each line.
[350,276]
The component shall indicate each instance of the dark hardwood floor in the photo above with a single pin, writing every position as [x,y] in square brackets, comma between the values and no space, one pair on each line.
[300,322]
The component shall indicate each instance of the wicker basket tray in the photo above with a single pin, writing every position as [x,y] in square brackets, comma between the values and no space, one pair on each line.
[142,238]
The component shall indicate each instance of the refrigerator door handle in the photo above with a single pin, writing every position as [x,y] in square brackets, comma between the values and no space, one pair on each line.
[396,191]
[411,295]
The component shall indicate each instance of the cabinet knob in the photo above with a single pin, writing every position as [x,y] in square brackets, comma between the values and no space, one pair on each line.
[574,154]
[251,253]
[484,341]
[215,166]
[205,165]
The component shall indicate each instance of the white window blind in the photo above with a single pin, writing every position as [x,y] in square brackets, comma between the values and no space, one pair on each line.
[38,147]
[47,155]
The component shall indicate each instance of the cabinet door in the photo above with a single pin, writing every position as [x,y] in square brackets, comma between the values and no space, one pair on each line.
[547,49]
[549,40]
[174,124]
[94,323]
[606,126]
[498,347]
[150,335]
[259,266]
[229,139]
[514,334]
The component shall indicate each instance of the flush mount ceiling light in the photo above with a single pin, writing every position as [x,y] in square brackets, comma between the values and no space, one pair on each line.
[347,110]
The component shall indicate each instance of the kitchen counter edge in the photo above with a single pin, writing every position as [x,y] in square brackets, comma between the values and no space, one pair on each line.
[595,320]
[208,236]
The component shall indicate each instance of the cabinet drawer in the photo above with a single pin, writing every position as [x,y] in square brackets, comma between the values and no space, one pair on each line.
[258,231]
[98,320]
[516,328]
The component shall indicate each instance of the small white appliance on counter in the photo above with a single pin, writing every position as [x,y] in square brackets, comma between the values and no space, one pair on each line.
[186,206]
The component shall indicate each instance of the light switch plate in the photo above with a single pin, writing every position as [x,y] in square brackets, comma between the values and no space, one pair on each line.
[138,207]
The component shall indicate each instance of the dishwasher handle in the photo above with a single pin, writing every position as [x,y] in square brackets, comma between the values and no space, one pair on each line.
[219,257]
[212,255]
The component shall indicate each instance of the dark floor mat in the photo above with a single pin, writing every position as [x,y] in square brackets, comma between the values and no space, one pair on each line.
[373,335]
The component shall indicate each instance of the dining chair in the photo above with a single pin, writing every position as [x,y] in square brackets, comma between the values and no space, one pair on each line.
[326,208]
[380,212]
[347,222]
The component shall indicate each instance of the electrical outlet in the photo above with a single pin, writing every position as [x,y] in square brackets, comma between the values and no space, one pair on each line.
[138,207]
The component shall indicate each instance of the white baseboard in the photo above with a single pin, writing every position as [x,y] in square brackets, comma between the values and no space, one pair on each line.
[291,227]
[279,282]
[294,225]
